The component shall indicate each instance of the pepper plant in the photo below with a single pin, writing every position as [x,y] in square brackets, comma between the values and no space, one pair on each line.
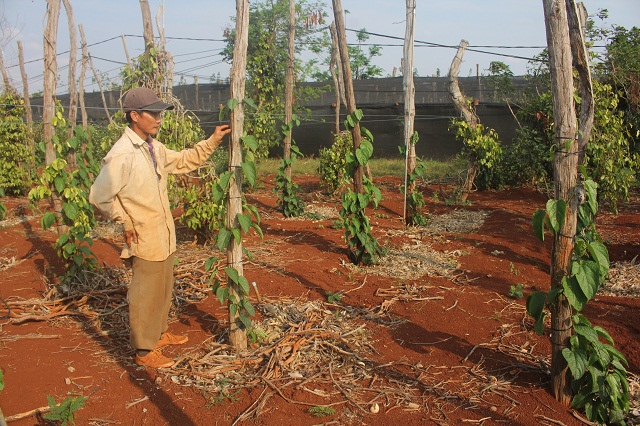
[248,219]
[597,368]
[288,201]
[72,189]
[362,246]
[415,199]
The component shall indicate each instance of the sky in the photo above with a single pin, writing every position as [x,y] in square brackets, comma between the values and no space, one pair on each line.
[194,30]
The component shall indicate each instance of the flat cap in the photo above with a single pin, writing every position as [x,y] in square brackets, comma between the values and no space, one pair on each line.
[143,98]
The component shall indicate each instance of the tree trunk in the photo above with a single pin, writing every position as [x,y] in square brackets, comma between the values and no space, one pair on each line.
[409,102]
[49,98]
[336,73]
[460,102]
[565,173]
[237,334]
[126,51]
[147,25]
[165,60]
[50,77]
[73,92]
[8,87]
[28,114]
[104,100]
[288,89]
[348,86]
[577,17]
[83,70]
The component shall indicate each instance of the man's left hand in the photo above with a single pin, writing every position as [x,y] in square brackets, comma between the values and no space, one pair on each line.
[220,133]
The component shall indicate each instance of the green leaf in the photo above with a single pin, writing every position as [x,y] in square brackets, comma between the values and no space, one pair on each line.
[59,184]
[586,331]
[600,254]
[249,170]
[250,102]
[236,235]
[577,361]
[250,141]
[222,293]
[244,284]
[246,321]
[248,307]
[70,211]
[48,219]
[224,180]
[557,210]
[604,334]
[223,238]
[586,273]
[233,274]
[245,221]
[210,263]
[232,104]
[574,294]
[535,304]
[538,223]
[591,190]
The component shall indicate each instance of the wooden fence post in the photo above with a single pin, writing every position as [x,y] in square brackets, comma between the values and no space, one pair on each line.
[409,101]
[237,335]
[565,174]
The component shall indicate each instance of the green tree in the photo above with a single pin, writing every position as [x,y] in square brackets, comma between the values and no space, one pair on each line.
[266,61]
[15,156]
[361,59]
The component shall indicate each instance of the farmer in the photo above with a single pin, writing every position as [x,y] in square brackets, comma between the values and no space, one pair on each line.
[131,190]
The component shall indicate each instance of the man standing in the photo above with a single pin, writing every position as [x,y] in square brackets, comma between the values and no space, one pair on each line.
[131,190]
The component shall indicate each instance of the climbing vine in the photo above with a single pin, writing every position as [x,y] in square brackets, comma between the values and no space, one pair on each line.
[15,155]
[71,187]
[598,375]
[362,246]
[248,219]
[415,199]
[288,201]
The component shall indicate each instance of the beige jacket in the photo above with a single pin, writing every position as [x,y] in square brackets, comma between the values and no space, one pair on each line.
[130,192]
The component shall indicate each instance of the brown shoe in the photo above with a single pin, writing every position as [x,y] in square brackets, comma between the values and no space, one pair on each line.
[171,339]
[154,359]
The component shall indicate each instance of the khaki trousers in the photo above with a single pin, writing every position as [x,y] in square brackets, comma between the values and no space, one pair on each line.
[150,295]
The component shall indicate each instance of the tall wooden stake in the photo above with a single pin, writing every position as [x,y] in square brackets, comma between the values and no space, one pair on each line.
[73,90]
[460,102]
[577,17]
[565,174]
[409,100]
[288,89]
[97,77]
[147,25]
[28,114]
[348,86]
[237,335]
[50,77]
[8,87]
[335,67]
[83,70]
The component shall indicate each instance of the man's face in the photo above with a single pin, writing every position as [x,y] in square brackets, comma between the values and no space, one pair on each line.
[148,121]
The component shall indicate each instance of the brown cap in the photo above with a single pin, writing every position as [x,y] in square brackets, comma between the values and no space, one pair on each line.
[142,98]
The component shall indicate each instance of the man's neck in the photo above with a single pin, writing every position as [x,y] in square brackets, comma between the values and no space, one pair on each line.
[143,135]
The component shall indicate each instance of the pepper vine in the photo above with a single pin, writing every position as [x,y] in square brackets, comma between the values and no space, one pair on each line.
[415,199]
[598,375]
[362,246]
[248,219]
[288,201]
[72,188]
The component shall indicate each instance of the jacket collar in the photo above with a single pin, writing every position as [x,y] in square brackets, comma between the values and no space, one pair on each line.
[133,136]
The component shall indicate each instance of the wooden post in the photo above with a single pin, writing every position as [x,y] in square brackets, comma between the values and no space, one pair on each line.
[28,114]
[147,25]
[336,72]
[126,51]
[97,77]
[460,102]
[73,91]
[288,89]
[577,17]
[50,77]
[409,101]
[8,87]
[237,335]
[565,174]
[83,70]
[348,85]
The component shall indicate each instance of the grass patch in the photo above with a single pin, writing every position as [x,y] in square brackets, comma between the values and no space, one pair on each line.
[436,170]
